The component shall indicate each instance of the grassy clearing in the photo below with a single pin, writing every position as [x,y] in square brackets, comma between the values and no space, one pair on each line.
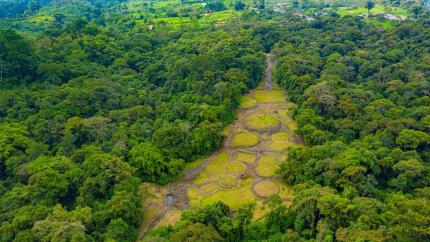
[170,218]
[195,163]
[203,177]
[267,96]
[280,145]
[260,210]
[266,188]
[261,121]
[153,199]
[386,24]
[194,196]
[208,188]
[150,213]
[280,141]
[285,192]
[378,9]
[152,193]
[247,102]
[281,136]
[246,157]
[236,197]
[235,167]
[228,196]
[287,120]
[267,166]
[227,181]
[216,166]
[42,19]
[244,139]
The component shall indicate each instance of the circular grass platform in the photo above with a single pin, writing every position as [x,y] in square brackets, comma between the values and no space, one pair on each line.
[267,166]
[246,157]
[227,181]
[208,188]
[235,167]
[265,188]
[261,121]
[244,139]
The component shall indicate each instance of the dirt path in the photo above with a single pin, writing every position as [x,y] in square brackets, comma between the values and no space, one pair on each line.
[268,73]
[268,100]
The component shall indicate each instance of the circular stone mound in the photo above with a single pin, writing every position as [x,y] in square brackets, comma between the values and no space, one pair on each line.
[261,121]
[227,181]
[235,167]
[244,139]
[266,188]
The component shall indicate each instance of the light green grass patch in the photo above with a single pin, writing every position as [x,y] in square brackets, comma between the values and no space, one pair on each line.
[261,121]
[195,163]
[234,198]
[378,9]
[244,139]
[285,192]
[386,24]
[227,181]
[152,199]
[246,157]
[288,121]
[266,188]
[267,166]
[235,167]
[280,141]
[208,188]
[150,213]
[216,166]
[247,102]
[281,136]
[260,210]
[194,196]
[203,177]
[42,19]
[170,218]
[267,96]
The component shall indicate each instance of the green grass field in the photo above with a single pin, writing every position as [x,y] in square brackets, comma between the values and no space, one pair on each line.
[261,121]
[246,157]
[244,139]
[266,96]
[247,102]
[234,167]
[266,188]
[378,9]
[267,166]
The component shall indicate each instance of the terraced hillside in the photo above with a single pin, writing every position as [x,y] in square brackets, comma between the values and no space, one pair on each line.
[244,170]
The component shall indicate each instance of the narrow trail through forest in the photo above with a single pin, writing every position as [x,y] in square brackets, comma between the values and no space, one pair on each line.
[243,170]
[268,73]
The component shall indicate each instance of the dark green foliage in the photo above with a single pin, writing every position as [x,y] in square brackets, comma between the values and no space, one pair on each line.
[362,111]
[210,223]
[90,110]
[238,6]
[96,103]
[17,60]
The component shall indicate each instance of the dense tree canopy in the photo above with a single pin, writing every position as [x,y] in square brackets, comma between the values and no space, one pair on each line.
[363,174]
[89,113]
[99,100]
